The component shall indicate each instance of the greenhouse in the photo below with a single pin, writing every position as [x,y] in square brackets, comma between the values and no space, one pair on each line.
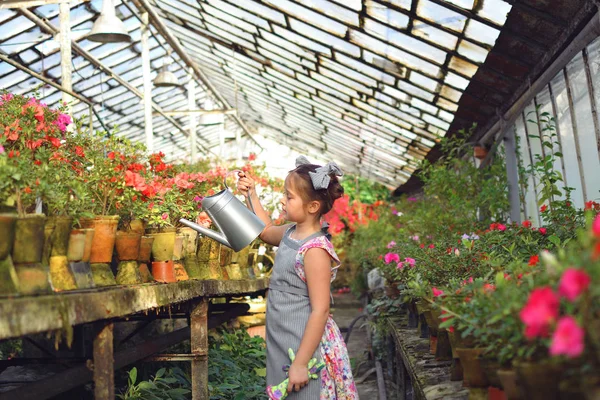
[302,199]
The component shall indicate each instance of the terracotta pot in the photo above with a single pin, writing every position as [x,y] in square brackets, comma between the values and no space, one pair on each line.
[128,272]
[128,245]
[591,387]
[453,343]
[190,241]
[59,240]
[473,373]
[226,254]
[103,275]
[138,226]
[204,271]
[61,275]
[539,381]
[178,247]
[490,369]
[496,394]
[145,273]
[443,349]
[432,321]
[29,239]
[464,342]
[80,245]
[432,344]
[33,278]
[163,246]
[234,272]
[145,249]
[478,393]
[205,244]
[48,230]
[105,231]
[241,257]
[9,281]
[571,389]
[480,152]
[508,380]
[7,234]
[180,272]
[192,267]
[164,271]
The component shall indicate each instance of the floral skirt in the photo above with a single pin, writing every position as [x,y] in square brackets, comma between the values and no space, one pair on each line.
[337,382]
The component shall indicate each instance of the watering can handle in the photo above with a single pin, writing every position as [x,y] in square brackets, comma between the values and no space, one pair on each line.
[227,187]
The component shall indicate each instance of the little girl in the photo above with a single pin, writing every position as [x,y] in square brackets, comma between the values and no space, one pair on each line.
[299,291]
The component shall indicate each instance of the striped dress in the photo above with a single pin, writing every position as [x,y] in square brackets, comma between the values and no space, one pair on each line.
[288,309]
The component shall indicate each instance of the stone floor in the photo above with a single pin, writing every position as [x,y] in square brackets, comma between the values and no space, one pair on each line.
[346,307]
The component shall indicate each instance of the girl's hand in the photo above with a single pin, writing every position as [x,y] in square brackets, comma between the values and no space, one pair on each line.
[245,184]
[298,377]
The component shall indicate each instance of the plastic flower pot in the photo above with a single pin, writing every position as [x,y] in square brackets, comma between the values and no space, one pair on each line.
[127,245]
[105,233]
[164,271]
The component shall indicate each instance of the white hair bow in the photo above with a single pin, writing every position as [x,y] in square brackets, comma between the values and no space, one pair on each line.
[321,177]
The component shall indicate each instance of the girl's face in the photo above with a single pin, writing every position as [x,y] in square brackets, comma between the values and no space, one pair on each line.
[292,204]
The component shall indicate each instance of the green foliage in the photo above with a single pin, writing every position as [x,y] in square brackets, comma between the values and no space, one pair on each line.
[364,190]
[166,384]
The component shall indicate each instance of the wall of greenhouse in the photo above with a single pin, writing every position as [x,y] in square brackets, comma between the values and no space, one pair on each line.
[572,98]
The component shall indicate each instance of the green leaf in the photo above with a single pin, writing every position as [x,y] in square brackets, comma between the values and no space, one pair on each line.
[160,372]
[260,371]
[555,240]
[133,375]
[146,385]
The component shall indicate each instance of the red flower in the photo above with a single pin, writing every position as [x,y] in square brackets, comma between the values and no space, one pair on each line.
[572,283]
[534,260]
[422,245]
[55,141]
[111,155]
[542,231]
[437,292]
[431,246]
[596,226]
[527,224]
[544,208]
[589,205]
[252,157]
[568,338]
[501,227]
[37,162]
[11,132]
[79,151]
[539,312]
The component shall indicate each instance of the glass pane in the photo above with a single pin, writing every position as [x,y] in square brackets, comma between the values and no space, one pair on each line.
[531,209]
[585,126]
[569,150]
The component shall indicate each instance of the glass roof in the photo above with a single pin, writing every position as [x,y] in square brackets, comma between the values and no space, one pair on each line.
[370,84]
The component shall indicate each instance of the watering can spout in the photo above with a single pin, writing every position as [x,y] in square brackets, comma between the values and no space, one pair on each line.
[218,236]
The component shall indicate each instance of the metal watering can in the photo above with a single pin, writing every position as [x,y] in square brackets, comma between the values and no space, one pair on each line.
[238,226]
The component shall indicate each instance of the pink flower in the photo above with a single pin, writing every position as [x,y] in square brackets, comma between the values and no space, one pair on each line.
[596,226]
[539,312]
[501,227]
[542,231]
[437,292]
[568,338]
[415,238]
[389,257]
[391,244]
[1,149]
[62,121]
[198,199]
[431,246]
[165,216]
[572,283]
[400,265]
[410,261]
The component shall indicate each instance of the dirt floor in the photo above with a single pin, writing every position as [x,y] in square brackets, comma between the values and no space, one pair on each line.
[346,307]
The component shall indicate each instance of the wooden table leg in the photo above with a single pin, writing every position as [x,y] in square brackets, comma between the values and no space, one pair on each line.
[199,348]
[104,369]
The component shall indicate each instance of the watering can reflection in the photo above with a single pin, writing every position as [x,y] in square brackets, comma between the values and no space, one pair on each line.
[238,226]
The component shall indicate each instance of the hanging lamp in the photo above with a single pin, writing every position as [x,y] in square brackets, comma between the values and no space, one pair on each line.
[166,78]
[108,28]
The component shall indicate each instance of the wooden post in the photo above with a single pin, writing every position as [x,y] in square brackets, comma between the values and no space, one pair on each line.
[104,368]
[65,51]
[199,348]
[147,99]
[192,117]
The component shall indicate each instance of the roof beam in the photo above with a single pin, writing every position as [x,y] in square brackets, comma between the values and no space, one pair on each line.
[35,3]
[51,29]
[174,43]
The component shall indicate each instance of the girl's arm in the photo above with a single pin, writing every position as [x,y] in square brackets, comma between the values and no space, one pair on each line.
[272,234]
[317,267]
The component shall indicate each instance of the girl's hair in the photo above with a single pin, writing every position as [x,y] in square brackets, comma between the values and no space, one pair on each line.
[306,190]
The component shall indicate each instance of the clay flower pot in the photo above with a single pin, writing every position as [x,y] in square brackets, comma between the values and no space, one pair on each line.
[178,247]
[127,245]
[145,249]
[145,273]
[190,241]
[164,271]
[539,381]
[163,245]
[104,237]
[508,380]
[29,239]
[180,272]
[473,373]
[59,240]
[7,234]
[128,273]
[80,245]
